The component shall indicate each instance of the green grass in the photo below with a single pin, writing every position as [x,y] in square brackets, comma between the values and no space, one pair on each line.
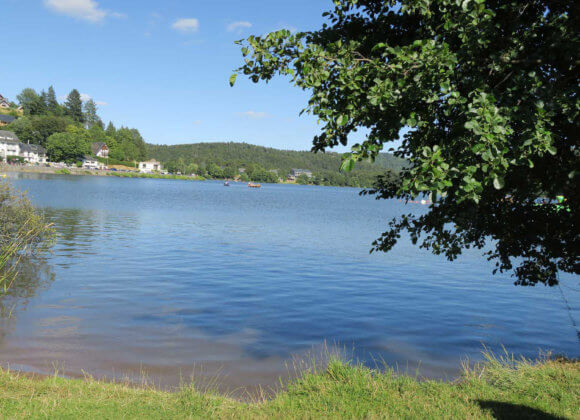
[62,171]
[496,389]
[111,161]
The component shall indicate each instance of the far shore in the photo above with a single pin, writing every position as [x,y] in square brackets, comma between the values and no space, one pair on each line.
[119,174]
[92,172]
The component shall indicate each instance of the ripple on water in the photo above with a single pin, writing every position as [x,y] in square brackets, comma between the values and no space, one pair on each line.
[169,276]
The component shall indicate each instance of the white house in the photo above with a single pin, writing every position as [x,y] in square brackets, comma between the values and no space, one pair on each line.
[9,145]
[100,149]
[90,162]
[297,172]
[32,153]
[150,166]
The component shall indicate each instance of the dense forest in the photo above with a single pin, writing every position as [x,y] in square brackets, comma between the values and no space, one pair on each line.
[224,160]
[66,130]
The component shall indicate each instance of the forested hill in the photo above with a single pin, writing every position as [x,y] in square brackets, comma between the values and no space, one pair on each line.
[325,166]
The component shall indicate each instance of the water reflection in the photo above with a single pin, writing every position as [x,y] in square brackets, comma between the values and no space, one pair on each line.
[31,278]
[165,276]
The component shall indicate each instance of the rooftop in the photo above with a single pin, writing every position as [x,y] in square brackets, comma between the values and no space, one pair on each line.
[32,148]
[8,136]
[95,147]
[6,118]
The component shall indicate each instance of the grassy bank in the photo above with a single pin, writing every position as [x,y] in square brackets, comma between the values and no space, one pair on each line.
[496,389]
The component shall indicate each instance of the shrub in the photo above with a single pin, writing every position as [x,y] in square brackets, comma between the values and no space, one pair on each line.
[24,232]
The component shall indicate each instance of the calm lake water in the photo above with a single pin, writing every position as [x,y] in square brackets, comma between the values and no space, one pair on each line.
[169,278]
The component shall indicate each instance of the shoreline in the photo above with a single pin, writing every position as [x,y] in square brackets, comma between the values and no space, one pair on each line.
[91,172]
[500,387]
[95,172]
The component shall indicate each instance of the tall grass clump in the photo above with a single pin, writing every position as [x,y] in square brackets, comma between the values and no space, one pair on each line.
[24,232]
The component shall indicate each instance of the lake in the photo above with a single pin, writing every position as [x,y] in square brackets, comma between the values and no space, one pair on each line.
[173,278]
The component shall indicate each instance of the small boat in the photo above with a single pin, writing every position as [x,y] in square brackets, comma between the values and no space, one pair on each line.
[226,184]
[252,185]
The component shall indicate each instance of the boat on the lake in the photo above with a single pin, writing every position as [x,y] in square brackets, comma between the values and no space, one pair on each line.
[226,183]
[252,185]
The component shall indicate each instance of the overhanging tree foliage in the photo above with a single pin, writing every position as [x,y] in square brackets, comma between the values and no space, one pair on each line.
[490,92]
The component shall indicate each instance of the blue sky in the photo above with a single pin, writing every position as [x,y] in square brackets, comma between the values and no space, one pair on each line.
[161,67]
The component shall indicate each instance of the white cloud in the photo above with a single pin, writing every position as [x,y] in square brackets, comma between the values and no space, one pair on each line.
[197,122]
[118,15]
[186,25]
[84,97]
[255,115]
[88,10]
[238,26]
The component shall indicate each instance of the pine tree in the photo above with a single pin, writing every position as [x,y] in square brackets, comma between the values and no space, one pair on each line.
[111,130]
[90,114]
[52,105]
[43,101]
[74,106]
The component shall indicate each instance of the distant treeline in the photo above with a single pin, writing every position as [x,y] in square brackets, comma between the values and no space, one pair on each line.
[67,129]
[264,164]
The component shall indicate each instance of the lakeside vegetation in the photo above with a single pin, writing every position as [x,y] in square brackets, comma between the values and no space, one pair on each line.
[24,233]
[266,164]
[154,176]
[498,388]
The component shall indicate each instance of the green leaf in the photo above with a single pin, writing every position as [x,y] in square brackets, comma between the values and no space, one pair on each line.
[498,183]
[342,120]
[233,78]
[348,164]
[552,150]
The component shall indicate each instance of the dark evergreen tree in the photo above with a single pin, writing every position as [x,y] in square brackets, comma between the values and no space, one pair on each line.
[90,112]
[52,105]
[74,106]
[111,130]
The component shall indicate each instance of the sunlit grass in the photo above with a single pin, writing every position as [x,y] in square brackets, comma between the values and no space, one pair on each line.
[500,387]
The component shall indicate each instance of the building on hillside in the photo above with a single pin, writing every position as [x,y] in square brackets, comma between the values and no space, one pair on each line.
[4,103]
[6,119]
[150,166]
[295,173]
[100,149]
[9,145]
[90,162]
[32,153]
